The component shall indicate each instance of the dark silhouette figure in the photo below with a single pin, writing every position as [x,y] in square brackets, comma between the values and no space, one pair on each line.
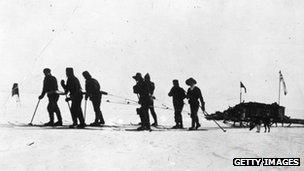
[15,90]
[178,95]
[93,92]
[151,87]
[142,90]
[50,87]
[73,87]
[258,120]
[194,94]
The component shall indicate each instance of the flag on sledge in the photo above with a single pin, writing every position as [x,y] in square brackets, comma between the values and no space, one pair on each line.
[242,86]
[283,82]
[15,89]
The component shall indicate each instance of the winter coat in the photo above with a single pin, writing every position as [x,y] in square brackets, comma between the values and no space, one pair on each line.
[50,85]
[92,88]
[195,95]
[73,86]
[142,89]
[178,94]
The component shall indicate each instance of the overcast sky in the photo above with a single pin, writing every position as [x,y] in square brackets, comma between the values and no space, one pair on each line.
[218,42]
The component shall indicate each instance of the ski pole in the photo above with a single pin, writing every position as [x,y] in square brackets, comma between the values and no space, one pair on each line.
[31,123]
[206,114]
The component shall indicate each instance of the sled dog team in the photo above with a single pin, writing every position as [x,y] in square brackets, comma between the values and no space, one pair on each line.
[144,88]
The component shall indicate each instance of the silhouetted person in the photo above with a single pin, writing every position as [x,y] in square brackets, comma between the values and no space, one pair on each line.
[142,90]
[50,88]
[194,94]
[93,92]
[151,87]
[178,95]
[74,88]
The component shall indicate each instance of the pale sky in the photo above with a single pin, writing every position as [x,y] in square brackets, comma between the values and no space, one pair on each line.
[218,42]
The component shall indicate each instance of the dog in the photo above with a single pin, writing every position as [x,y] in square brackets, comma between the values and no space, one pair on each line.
[258,121]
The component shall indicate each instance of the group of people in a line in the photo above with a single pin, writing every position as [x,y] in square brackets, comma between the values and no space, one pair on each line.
[144,89]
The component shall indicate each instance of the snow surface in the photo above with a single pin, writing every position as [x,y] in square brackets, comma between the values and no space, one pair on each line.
[109,149]
[35,148]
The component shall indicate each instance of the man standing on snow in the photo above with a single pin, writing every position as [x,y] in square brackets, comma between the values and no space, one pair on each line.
[93,92]
[151,87]
[74,88]
[142,90]
[193,94]
[50,87]
[178,95]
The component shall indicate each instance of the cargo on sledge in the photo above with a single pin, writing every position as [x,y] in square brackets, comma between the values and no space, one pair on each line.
[244,113]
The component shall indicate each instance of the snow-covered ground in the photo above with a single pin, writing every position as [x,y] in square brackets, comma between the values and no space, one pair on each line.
[109,149]
[35,148]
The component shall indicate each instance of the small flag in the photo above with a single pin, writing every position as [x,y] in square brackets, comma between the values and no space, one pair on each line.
[242,86]
[15,90]
[283,82]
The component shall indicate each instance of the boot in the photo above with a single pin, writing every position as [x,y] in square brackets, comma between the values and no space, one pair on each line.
[95,124]
[82,125]
[154,124]
[180,126]
[147,127]
[192,125]
[102,122]
[140,128]
[51,123]
[192,128]
[73,125]
[58,123]
[175,126]
[197,125]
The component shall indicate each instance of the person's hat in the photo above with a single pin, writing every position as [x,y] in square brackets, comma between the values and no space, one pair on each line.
[137,76]
[147,76]
[190,81]
[86,74]
[69,69]
[46,70]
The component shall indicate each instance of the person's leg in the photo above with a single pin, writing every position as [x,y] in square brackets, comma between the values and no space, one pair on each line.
[142,115]
[79,111]
[57,111]
[146,118]
[192,110]
[51,114]
[180,117]
[73,112]
[153,115]
[96,108]
[176,119]
[196,120]
[100,116]
[151,107]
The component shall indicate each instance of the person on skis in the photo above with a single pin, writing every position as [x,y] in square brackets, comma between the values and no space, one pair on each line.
[50,87]
[93,92]
[194,95]
[73,87]
[178,95]
[142,90]
[151,87]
